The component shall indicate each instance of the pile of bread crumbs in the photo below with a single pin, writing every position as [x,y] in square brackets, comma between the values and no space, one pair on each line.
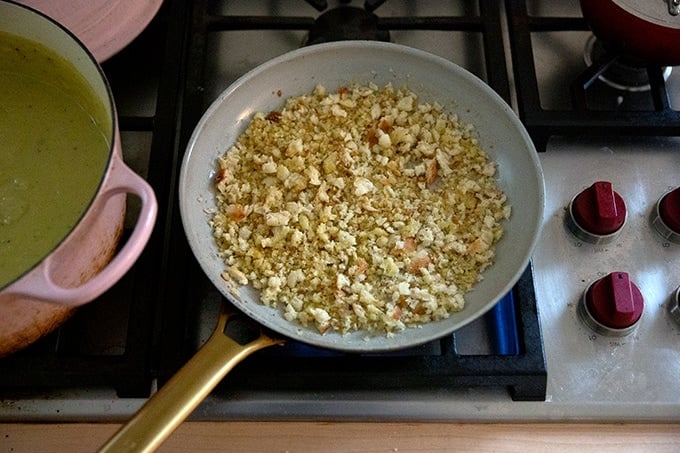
[361,209]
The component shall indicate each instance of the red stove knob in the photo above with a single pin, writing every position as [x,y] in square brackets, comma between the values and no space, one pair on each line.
[666,216]
[612,305]
[597,214]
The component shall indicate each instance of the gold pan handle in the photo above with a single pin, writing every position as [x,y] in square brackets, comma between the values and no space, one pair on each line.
[173,403]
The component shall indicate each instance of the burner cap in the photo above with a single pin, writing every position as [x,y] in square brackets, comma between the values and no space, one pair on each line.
[346,23]
[625,74]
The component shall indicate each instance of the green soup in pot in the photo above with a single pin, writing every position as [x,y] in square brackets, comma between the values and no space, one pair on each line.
[55,137]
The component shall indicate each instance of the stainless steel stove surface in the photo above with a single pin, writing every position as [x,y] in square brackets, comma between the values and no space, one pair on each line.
[590,376]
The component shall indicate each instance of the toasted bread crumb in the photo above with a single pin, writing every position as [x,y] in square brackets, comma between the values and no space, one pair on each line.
[358,210]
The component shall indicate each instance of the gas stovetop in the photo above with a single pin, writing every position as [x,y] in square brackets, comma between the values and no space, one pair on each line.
[545,364]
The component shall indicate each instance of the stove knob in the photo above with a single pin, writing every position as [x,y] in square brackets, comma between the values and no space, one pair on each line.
[597,214]
[666,216]
[612,305]
[674,306]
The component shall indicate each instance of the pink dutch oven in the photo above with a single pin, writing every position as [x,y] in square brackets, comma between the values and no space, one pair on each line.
[87,262]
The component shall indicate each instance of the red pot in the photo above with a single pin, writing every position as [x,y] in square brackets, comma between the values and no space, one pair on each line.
[645,30]
[87,261]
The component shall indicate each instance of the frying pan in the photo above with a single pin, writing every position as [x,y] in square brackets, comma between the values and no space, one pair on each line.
[264,89]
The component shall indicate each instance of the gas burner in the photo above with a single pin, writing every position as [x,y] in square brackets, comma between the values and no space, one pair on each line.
[346,23]
[623,73]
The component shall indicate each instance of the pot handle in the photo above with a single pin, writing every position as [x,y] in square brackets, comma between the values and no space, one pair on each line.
[121,179]
[175,400]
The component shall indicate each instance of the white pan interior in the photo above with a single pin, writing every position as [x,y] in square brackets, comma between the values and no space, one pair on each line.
[336,64]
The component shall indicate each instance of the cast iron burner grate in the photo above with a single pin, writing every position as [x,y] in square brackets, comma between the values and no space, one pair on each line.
[157,298]
[659,119]
[522,372]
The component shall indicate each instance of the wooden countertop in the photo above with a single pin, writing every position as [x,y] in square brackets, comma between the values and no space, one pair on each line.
[359,437]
